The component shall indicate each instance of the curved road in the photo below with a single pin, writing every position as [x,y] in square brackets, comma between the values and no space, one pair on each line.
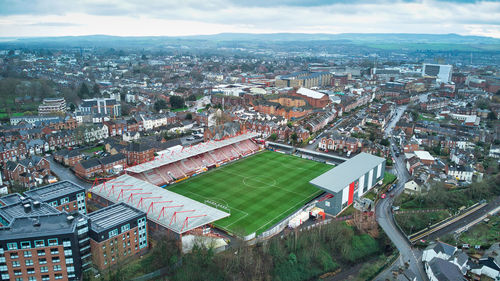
[384,214]
[64,173]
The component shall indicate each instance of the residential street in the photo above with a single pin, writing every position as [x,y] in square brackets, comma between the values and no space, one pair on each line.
[386,219]
[64,173]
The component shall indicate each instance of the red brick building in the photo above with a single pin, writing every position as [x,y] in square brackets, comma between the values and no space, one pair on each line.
[119,239]
[92,167]
[68,157]
[138,153]
[28,172]
[315,99]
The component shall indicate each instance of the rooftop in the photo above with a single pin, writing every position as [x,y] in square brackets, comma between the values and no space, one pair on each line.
[424,155]
[53,191]
[113,216]
[171,210]
[47,225]
[336,179]
[310,93]
[27,208]
[10,199]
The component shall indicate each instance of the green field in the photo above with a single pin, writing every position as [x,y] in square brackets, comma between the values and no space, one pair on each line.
[259,190]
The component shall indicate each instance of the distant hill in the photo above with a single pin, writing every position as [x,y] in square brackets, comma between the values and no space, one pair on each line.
[381,41]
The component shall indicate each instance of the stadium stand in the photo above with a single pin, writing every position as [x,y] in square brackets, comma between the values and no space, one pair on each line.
[170,167]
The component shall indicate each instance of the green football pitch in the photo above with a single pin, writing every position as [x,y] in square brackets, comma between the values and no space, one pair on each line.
[259,190]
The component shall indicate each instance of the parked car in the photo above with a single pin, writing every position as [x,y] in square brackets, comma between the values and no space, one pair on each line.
[383,196]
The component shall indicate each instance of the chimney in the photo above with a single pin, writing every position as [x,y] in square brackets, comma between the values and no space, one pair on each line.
[27,207]
[70,219]
[36,204]
[36,223]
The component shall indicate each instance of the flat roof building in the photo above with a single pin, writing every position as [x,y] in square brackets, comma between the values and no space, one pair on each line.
[63,195]
[349,180]
[117,232]
[39,242]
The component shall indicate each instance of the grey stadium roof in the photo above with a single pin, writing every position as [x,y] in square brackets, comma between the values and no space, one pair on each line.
[171,210]
[166,158]
[113,216]
[53,191]
[336,179]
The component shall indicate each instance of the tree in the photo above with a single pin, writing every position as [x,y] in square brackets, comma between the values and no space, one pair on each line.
[289,124]
[492,116]
[191,98]
[83,92]
[384,142]
[273,137]
[176,102]
[96,90]
[160,104]
[189,116]
[294,137]
[72,107]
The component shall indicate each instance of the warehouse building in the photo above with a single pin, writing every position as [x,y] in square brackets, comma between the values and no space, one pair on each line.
[348,181]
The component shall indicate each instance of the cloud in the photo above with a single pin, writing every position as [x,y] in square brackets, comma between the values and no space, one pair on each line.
[171,17]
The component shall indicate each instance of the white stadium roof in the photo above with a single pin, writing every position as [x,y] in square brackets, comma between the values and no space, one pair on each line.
[169,209]
[310,93]
[336,179]
[171,157]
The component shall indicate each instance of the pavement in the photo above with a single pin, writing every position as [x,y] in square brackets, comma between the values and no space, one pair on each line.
[386,219]
[64,173]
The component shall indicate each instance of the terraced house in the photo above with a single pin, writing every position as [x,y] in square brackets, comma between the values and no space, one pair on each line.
[29,172]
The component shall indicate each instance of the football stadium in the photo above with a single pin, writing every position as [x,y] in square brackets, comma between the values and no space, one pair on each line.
[237,186]
[258,191]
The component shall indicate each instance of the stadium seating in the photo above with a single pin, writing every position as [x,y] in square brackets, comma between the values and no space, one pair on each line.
[153,177]
[188,166]
[218,155]
[175,170]
[197,161]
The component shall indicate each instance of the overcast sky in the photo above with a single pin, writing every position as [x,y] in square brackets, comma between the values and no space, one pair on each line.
[191,17]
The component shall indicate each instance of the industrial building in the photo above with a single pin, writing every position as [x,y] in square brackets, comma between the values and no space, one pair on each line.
[348,181]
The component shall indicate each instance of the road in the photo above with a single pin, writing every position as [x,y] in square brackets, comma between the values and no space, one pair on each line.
[64,173]
[384,214]
[323,133]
